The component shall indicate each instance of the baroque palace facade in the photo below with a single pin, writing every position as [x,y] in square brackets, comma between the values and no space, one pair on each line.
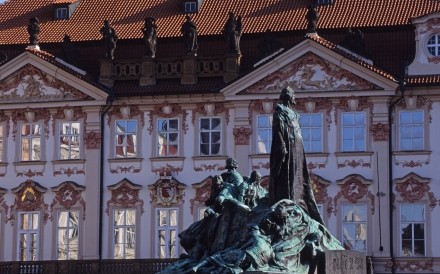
[111,157]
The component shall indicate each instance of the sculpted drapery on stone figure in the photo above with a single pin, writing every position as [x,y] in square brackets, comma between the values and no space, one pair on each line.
[189,31]
[109,38]
[245,230]
[150,36]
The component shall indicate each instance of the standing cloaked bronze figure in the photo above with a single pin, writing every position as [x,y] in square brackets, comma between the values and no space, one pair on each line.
[150,36]
[232,32]
[34,31]
[189,31]
[289,176]
[110,38]
[312,17]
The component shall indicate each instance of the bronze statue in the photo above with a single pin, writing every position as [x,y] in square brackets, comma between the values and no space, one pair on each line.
[189,31]
[232,32]
[110,38]
[312,17]
[150,36]
[289,176]
[34,31]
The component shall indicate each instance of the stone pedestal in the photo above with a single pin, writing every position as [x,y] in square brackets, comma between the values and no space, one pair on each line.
[147,72]
[232,67]
[333,262]
[106,73]
[189,76]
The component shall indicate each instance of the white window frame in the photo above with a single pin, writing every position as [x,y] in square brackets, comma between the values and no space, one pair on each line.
[435,45]
[190,7]
[167,228]
[353,127]
[124,227]
[210,131]
[126,134]
[308,129]
[412,222]
[411,126]
[69,136]
[355,223]
[32,138]
[29,231]
[260,144]
[61,13]
[67,230]
[167,133]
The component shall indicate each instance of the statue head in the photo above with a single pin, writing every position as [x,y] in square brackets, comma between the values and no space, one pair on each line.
[255,176]
[231,163]
[287,94]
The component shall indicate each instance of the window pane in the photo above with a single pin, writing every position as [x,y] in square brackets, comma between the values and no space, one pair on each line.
[418,213]
[204,124]
[173,217]
[347,119]
[215,124]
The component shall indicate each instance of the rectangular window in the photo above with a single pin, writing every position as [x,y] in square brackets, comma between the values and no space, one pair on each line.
[61,13]
[264,133]
[70,136]
[28,236]
[126,137]
[190,7]
[353,131]
[167,137]
[312,131]
[412,230]
[124,233]
[1,143]
[354,227]
[67,235]
[210,136]
[30,136]
[166,233]
[411,130]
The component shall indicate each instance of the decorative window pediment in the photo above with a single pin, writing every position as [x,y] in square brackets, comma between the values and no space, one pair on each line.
[203,193]
[167,191]
[125,194]
[67,195]
[413,188]
[29,196]
[354,188]
[168,110]
[3,206]
[319,186]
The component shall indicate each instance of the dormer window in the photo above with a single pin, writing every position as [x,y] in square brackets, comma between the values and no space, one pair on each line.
[61,13]
[433,45]
[324,2]
[190,7]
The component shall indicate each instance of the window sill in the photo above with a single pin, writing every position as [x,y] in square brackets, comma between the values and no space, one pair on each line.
[3,168]
[125,165]
[125,160]
[29,168]
[30,163]
[412,152]
[354,153]
[68,161]
[209,163]
[354,159]
[412,158]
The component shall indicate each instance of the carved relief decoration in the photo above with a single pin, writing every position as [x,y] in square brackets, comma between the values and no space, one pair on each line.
[414,266]
[261,165]
[168,110]
[241,135]
[264,106]
[68,194]
[69,171]
[362,104]
[310,72]
[4,205]
[381,132]
[319,186]
[218,108]
[40,114]
[29,196]
[320,104]
[92,140]
[30,84]
[167,169]
[4,118]
[129,169]
[116,112]
[203,191]
[167,191]
[354,188]
[412,188]
[208,167]
[264,182]
[420,102]
[60,115]
[353,163]
[125,194]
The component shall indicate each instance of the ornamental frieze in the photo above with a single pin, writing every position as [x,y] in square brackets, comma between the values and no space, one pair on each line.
[4,205]
[242,135]
[319,187]
[354,188]
[210,109]
[125,111]
[168,110]
[310,72]
[203,192]
[67,195]
[413,188]
[30,84]
[125,194]
[30,115]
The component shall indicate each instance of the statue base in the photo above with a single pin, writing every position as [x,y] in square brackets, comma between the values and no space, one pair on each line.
[333,262]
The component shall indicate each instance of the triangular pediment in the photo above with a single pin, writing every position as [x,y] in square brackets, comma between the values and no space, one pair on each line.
[311,72]
[311,67]
[30,79]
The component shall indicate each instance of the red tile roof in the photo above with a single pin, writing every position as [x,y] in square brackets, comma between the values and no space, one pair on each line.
[258,15]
